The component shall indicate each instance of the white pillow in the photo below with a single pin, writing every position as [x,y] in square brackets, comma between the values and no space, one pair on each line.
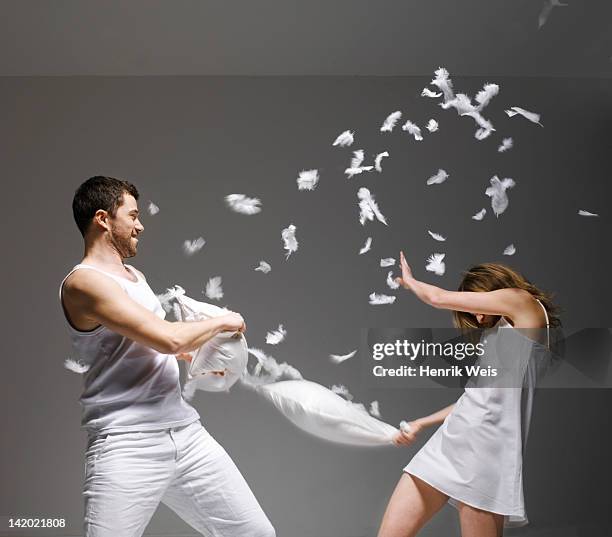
[226,351]
[321,412]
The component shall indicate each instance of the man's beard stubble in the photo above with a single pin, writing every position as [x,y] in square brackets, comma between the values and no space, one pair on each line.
[123,246]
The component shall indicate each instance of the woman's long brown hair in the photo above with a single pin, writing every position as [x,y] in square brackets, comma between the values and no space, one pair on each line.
[493,276]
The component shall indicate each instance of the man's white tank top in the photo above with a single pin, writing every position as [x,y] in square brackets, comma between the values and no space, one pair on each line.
[128,386]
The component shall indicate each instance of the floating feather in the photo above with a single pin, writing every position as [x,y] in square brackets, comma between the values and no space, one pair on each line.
[379,157]
[432,125]
[339,358]
[480,214]
[357,158]
[375,409]
[436,236]
[497,193]
[531,116]
[428,93]
[436,264]
[368,208]
[289,240]
[582,212]
[546,10]
[153,209]
[391,281]
[355,171]
[367,246]
[240,203]
[276,336]
[213,290]
[263,267]
[438,178]
[76,367]
[485,126]
[387,262]
[443,83]
[506,144]
[345,139]
[378,300]
[413,129]
[308,179]
[509,250]
[191,247]
[484,96]
[390,122]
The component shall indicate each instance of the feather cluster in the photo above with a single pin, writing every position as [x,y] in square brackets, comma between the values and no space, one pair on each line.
[356,167]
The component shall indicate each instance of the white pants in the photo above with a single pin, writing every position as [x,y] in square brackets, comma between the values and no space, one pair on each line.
[128,474]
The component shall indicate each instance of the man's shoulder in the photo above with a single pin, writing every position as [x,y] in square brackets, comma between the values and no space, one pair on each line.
[85,281]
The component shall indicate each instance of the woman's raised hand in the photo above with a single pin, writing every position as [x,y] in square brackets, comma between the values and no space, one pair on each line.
[406,272]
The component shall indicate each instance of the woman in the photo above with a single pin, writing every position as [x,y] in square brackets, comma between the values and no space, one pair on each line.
[474,460]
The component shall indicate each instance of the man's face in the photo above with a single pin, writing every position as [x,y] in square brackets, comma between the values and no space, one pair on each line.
[125,226]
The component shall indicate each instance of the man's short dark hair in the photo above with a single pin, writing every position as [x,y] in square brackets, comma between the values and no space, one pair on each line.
[96,193]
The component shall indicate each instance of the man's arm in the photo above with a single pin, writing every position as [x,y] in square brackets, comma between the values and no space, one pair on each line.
[102,300]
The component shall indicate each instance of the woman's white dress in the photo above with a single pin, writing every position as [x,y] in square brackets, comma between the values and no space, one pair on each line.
[476,455]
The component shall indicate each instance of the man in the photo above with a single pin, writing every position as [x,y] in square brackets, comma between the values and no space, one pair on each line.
[145,443]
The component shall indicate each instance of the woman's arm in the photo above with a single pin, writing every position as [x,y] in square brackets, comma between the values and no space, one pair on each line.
[508,302]
[433,419]
[404,438]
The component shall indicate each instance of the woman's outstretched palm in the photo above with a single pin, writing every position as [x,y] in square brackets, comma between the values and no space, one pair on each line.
[406,272]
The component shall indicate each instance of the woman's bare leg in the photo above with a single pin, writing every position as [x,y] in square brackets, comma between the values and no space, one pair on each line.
[412,504]
[479,523]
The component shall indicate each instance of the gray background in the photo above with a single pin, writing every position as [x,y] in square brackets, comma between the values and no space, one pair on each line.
[186,142]
[289,37]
